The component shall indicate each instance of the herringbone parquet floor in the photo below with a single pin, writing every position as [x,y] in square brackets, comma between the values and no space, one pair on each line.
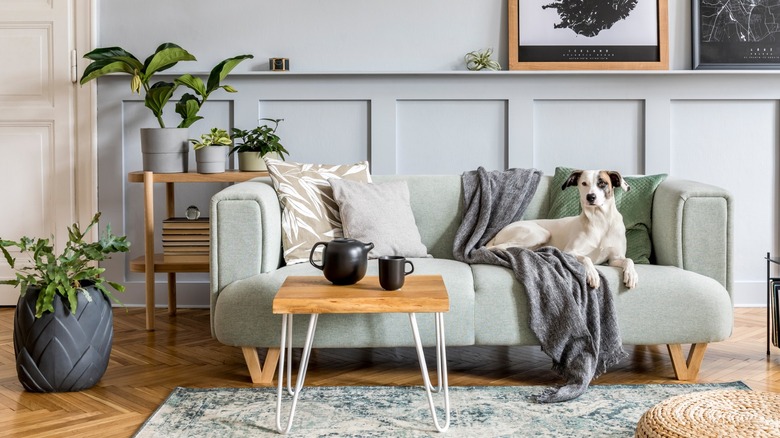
[146,366]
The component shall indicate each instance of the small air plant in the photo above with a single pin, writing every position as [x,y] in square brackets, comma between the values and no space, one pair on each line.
[477,60]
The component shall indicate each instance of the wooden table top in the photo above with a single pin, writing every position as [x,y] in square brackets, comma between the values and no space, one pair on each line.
[315,294]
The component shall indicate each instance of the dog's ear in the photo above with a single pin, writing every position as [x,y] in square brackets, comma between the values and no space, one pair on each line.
[617,180]
[572,179]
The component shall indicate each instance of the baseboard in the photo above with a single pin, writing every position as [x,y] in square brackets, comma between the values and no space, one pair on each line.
[750,294]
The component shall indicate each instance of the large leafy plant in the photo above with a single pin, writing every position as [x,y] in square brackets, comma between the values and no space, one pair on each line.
[261,139]
[189,105]
[156,95]
[67,273]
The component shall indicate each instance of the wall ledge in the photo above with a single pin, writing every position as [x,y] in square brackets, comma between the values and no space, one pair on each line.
[488,73]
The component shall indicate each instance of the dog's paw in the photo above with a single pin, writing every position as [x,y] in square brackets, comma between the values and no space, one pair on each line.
[594,280]
[630,277]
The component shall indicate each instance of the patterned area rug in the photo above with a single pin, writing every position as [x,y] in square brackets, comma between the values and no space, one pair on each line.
[402,411]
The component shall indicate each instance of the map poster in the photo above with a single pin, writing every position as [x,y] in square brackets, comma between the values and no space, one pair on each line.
[588,34]
[736,34]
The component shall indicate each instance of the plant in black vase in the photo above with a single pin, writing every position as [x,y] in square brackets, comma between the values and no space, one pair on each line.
[63,325]
[252,145]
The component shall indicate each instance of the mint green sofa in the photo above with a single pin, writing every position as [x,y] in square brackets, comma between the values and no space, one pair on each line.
[685,298]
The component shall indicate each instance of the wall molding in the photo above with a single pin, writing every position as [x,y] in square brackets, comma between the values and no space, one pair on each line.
[630,120]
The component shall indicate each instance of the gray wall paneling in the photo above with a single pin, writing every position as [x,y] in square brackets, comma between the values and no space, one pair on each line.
[720,128]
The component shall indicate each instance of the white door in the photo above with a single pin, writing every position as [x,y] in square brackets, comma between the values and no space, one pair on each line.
[47,177]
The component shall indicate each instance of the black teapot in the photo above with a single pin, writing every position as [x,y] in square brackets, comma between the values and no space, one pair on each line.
[344,261]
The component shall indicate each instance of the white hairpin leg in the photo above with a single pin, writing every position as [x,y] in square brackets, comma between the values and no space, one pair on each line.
[441,369]
[286,341]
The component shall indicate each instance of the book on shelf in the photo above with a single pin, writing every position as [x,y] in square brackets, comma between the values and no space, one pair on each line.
[178,249]
[185,240]
[185,232]
[774,306]
[176,246]
[166,237]
[184,223]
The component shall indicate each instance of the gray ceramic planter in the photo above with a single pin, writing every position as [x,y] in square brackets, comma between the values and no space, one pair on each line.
[211,159]
[63,351]
[165,150]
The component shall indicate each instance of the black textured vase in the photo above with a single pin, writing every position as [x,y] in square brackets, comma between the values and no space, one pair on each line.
[63,351]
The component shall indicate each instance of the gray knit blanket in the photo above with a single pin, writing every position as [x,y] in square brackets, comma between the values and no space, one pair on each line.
[576,325]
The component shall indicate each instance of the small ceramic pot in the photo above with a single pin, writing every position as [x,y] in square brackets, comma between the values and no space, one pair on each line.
[253,161]
[211,159]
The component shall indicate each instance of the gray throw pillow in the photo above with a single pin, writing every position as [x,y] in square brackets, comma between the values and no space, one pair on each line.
[381,214]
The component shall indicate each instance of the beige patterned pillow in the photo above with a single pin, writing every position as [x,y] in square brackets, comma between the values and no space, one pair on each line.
[309,212]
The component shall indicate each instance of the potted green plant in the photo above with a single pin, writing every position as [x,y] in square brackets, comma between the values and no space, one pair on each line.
[189,105]
[211,150]
[63,325]
[165,150]
[253,144]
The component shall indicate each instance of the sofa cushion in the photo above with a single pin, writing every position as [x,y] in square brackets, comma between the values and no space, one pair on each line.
[669,305]
[501,315]
[309,212]
[236,321]
[381,214]
[635,205]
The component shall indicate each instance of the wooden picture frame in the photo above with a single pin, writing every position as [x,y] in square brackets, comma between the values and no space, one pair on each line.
[560,43]
[730,46]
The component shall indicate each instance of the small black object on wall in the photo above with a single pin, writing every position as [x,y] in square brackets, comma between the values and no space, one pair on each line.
[279,64]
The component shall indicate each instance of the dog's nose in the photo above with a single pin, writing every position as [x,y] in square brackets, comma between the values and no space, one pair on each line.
[590,197]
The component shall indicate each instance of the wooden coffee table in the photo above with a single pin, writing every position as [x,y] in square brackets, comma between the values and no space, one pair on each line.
[316,295]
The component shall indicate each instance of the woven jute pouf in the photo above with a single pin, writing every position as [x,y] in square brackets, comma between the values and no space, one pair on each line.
[720,413]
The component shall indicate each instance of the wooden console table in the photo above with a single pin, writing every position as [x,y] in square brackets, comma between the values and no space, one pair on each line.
[150,263]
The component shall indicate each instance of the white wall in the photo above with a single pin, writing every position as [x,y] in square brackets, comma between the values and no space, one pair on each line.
[333,35]
[412,105]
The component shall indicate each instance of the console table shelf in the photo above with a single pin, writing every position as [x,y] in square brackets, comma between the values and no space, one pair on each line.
[150,263]
[229,176]
[138,264]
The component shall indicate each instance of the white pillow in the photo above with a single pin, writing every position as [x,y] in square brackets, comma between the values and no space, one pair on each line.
[381,214]
[309,212]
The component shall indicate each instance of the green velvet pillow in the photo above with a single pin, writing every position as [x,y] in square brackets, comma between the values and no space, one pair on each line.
[636,206]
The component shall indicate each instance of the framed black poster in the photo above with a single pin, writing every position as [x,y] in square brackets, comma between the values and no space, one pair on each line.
[736,34]
[588,35]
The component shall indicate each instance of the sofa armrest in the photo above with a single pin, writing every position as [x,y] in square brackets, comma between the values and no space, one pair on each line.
[246,233]
[693,229]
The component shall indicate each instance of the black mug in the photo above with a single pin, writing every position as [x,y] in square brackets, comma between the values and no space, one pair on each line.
[392,270]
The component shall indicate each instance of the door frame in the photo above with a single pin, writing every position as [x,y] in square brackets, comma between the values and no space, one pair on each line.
[75,23]
[85,114]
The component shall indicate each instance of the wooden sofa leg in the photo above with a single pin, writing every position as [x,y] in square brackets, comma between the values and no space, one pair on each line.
[261,374]
[687,369]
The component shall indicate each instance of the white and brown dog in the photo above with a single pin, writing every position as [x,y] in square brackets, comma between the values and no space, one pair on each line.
[597,235]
